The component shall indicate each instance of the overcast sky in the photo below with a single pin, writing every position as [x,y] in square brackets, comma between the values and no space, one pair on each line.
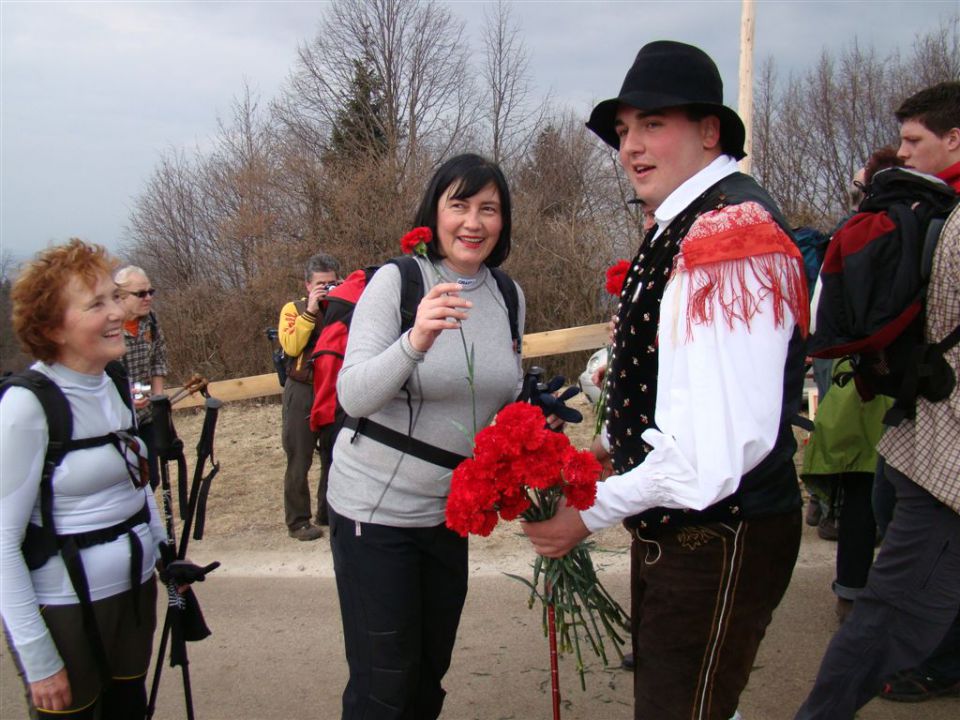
[91,93]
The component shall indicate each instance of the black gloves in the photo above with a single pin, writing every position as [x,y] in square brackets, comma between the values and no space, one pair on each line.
[181,572]
[542,395]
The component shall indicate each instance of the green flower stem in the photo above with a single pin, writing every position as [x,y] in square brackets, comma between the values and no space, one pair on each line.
[469,355]
[421,250]
[601,407]
[582,606]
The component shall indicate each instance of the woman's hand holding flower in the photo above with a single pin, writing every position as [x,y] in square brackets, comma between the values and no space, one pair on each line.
[441,309]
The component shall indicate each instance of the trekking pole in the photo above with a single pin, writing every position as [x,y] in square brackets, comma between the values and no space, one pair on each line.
[200,487]
[169,447]
[196,383]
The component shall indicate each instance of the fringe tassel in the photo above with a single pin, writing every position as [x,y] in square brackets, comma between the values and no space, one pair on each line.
[724,283]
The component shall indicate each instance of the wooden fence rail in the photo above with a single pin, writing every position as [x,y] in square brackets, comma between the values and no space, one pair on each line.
[542,344]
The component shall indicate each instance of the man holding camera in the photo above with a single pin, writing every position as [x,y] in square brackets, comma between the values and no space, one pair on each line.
[300,323]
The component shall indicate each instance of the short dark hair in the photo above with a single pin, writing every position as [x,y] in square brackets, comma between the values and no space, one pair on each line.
[937,107]
[319,263]
[468,174]
[696,113]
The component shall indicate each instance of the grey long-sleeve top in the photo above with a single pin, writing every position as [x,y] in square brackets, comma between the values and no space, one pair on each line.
[371,482]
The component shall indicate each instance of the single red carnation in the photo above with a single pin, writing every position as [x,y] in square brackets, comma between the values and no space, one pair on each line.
[416,241]
[616,274]
[581,467]
[581,471]
[513,503]
[466,519]
[542,469]
[518,429]
[472,499]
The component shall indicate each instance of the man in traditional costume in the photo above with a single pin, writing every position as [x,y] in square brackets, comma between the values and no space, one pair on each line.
[706,372]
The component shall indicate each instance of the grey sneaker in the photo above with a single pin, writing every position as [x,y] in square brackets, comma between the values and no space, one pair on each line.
[306,532]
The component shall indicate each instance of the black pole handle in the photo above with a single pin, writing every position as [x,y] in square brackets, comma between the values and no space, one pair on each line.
[164,434]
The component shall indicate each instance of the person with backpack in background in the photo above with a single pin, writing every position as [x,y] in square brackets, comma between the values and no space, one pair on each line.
[79,528]
[912,596]
[300,323]
[401,573]
[146,356]
[840,459]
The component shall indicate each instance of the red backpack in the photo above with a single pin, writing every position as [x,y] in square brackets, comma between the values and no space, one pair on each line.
[327,353]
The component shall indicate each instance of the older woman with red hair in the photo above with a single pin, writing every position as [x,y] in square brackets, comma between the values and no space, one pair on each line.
[79,539]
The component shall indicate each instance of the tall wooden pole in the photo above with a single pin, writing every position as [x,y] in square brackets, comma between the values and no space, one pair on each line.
[746,79]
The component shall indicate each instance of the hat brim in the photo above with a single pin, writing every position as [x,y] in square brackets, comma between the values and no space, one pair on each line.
[603,118]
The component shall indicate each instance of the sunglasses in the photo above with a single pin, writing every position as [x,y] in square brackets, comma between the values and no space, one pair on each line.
[143,294]
[133,453]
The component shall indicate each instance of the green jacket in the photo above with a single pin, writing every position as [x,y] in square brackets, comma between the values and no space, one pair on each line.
[846,431]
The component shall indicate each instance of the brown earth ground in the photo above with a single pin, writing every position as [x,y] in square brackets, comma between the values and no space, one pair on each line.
[277,652]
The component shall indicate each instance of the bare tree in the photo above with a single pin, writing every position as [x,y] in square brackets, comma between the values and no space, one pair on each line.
[508,93]
[814,131]
[209,231]
[12,358]
[416,54]
[570,224]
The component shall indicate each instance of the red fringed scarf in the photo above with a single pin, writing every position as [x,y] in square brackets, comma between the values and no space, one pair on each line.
[715,244]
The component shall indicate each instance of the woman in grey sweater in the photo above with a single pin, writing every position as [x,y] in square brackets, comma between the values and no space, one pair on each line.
[401,574]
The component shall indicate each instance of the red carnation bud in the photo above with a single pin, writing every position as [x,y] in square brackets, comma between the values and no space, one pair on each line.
[616,275]
[415,241]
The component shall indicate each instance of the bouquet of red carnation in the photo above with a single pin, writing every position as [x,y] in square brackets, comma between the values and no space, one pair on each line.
[521,469]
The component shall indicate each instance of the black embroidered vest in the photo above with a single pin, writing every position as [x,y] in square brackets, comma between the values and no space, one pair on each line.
[770,488]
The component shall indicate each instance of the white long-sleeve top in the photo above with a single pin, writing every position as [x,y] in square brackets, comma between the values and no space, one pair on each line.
[92,490]
[719,385]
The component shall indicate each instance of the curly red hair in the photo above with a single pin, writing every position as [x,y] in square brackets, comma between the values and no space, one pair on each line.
[38,299]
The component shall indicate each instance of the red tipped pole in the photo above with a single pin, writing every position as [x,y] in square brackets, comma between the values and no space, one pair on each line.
[554,670]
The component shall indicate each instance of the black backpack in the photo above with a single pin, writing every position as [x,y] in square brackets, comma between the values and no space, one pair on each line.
[874,282]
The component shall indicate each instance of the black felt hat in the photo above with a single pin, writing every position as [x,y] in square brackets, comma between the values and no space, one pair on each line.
[670,74]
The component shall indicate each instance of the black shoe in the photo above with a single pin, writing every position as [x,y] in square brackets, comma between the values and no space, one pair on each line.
[814,512]
[306,532]
[827,529]
[914,686]
[628,662]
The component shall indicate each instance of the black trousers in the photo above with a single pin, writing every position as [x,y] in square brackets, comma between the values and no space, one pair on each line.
[908,606]
[401,594]
[857,534]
